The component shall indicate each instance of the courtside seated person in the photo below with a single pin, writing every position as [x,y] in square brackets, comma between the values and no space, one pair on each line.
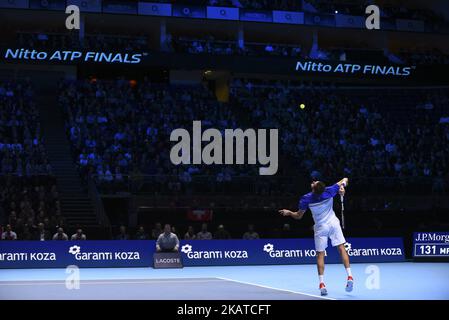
[167,241]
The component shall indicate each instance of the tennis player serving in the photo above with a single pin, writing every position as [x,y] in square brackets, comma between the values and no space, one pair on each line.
[327,225]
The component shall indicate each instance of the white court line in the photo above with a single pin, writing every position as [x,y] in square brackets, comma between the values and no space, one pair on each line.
[217,279]
[267,287]
[61,282]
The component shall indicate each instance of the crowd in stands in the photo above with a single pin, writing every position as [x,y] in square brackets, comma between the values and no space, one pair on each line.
[91,42]
[118,129]
[221,233]
[30,206]
[340,131]
[21,149]
[29,200]
[48,40]
[209,45]
[423,57]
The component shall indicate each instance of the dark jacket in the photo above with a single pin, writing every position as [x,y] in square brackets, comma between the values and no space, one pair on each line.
[37,235]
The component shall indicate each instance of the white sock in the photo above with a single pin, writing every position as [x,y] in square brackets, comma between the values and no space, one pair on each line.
[348,271]
[321,278]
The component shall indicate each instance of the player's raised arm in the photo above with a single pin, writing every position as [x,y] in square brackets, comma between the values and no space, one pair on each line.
[294,214]
[337,187]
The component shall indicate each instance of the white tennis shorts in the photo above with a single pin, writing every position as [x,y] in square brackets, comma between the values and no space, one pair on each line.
[329,230]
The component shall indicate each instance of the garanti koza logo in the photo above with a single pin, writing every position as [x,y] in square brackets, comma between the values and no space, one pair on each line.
[213,254]
[123,255]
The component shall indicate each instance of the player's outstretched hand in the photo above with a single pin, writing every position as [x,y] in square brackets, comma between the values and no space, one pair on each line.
[284,212]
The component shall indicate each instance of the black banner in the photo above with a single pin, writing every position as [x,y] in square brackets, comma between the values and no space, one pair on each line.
[189,11]
[47,4]
[303,69]
[117,6]
[327,20]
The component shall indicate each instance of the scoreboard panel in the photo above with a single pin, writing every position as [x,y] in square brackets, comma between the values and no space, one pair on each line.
[431,244]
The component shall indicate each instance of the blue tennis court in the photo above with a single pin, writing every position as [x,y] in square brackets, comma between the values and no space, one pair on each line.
[387,281]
